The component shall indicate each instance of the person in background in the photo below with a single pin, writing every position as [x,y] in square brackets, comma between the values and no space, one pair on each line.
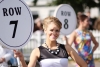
[51,53]
[38,27]
[13,61]
[39,24]
[78,15]
[82,38]
[5,55]
[97,24]
[90,20]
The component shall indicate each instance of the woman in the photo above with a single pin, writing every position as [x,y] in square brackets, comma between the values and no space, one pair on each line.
[82,38]
[51,53]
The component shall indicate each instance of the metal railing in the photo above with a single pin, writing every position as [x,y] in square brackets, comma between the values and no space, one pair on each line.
[37,39]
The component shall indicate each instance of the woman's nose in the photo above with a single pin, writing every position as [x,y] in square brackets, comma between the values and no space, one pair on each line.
[54,32]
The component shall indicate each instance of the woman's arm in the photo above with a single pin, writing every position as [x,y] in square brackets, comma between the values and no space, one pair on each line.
[94,41]
[21,58]
[73,54]
[71,38]
[33,58]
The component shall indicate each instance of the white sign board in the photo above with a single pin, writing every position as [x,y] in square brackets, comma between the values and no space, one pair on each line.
[16,23]
[66,14]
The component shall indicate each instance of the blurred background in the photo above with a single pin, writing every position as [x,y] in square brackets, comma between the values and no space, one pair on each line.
[43,8]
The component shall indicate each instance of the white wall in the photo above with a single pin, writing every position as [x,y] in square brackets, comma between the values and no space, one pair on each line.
[94,12]
[43,12]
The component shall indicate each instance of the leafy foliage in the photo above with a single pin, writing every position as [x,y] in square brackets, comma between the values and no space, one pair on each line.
[78,5]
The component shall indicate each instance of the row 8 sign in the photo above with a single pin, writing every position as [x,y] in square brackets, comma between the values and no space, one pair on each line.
[66,14]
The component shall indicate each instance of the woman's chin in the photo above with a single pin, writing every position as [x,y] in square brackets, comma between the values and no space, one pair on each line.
[53,39]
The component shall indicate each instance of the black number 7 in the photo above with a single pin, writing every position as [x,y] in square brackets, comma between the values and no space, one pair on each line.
[14,31]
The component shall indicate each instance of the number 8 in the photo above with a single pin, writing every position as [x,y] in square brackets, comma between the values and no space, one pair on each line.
[66,24]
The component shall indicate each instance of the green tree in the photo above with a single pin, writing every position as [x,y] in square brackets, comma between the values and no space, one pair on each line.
[35,2]
[78,5]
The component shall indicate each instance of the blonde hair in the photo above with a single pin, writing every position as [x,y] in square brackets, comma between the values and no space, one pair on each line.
[54,20]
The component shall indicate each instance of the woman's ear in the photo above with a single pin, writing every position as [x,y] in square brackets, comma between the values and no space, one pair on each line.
[45,31]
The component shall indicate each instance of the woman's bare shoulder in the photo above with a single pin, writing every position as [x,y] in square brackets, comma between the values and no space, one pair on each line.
[35,52]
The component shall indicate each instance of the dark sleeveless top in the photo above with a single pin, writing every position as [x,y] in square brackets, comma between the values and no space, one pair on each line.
[48,59]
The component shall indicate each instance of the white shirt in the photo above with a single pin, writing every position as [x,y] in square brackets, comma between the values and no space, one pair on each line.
[5,53]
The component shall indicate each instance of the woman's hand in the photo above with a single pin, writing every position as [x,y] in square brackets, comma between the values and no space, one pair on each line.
[18,54]
[64,38]
[21,57]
